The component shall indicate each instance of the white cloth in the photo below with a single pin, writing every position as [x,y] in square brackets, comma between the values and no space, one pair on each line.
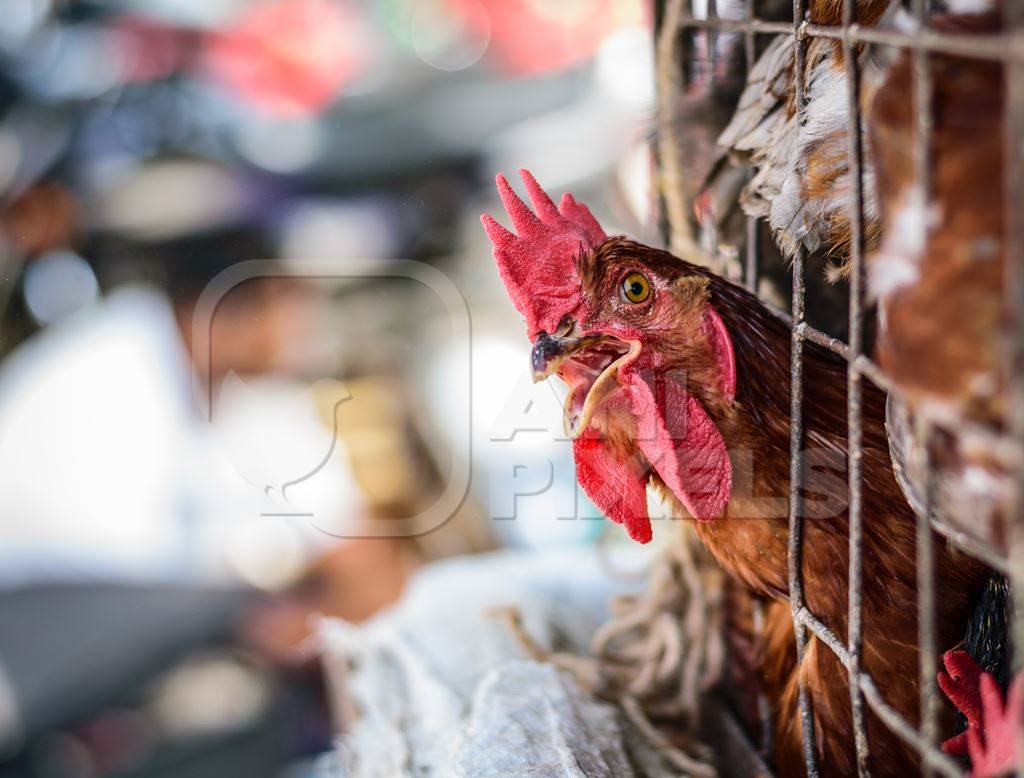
[440,687]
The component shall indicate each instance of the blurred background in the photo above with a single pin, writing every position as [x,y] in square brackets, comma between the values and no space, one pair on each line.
[179,497]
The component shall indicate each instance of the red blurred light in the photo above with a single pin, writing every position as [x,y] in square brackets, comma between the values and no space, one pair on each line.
[289,57]
[529,37]
[148,49]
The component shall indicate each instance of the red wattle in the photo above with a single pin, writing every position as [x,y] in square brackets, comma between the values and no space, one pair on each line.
[617,488]
[682,444]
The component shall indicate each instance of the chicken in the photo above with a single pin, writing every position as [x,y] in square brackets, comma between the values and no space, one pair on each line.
[792,166]
[801,182]
[680,380]
[939,258]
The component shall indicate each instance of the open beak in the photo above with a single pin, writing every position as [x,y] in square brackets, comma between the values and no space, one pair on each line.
[588,365]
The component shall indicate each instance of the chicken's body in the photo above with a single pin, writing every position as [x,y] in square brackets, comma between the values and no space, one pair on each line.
[942,256]
[680,380]
[890,635]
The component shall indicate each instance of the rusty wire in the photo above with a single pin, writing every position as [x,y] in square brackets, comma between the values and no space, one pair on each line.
[996,47]
[929,702]
[796,433]
[1008,48]
[854,415]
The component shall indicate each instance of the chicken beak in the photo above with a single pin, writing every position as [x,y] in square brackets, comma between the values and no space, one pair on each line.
[550,352]
[588,365]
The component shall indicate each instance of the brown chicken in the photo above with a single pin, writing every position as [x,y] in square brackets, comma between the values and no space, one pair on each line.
[941,257]
[680,380]
[800,180]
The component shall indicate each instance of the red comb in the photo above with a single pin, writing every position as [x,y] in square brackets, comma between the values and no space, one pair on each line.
[538,261]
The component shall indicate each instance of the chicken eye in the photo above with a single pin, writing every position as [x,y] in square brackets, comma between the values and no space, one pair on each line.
[636,288]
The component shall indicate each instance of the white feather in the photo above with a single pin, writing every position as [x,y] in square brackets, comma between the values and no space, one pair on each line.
[897,262]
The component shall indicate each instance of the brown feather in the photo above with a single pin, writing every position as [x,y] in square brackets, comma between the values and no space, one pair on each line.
[938,280]
[830,12]
[928,345]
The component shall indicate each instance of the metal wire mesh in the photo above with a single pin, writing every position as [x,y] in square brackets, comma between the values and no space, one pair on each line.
[1006,47]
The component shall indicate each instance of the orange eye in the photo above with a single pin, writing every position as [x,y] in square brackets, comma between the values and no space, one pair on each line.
[636,288]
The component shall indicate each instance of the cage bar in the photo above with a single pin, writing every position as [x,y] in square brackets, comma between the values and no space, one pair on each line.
[996,48]
[927,662]
[752,249]
[750,278]
[854,414]
[796,437]
[928,699]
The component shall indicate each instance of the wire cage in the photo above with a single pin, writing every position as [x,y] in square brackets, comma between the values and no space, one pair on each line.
[677,19]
